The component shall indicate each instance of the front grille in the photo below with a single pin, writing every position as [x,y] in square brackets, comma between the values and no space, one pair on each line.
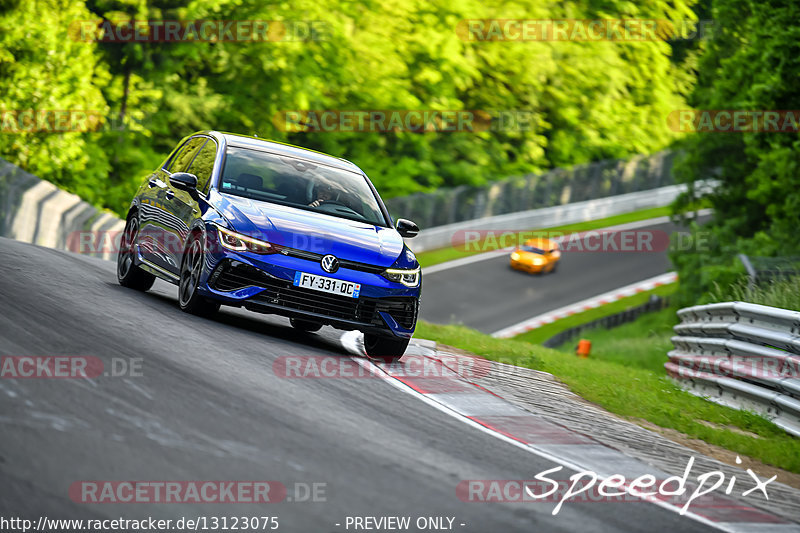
[233,275]
[344,263]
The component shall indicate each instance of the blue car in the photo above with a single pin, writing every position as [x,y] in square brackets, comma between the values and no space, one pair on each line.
[241,221]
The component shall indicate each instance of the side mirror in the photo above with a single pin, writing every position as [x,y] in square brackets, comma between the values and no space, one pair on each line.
[406,228]
[183,180]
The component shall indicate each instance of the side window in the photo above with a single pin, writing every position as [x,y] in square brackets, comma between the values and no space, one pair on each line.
[203,165]
[185,156]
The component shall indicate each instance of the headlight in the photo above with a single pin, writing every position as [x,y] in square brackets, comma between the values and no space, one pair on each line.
[242,243]
[514,256]
[409,278]
[538,261]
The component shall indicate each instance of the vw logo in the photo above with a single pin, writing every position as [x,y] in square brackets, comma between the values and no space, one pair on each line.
[329,264]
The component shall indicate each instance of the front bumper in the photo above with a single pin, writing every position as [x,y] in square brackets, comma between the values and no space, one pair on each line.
[527,267]
[264,283]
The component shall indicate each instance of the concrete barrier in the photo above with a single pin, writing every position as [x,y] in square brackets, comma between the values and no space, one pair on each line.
[36,211]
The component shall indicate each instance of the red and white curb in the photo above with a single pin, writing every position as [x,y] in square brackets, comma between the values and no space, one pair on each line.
[589,303]
[472,404]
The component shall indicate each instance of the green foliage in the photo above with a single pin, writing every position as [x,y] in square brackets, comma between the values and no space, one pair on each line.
[586,100]
[42,70]
[753,63]
[783,293]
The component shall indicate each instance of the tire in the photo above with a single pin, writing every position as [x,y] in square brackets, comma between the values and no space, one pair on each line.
[191,268]
[128,274]
[386,348]
[306,326]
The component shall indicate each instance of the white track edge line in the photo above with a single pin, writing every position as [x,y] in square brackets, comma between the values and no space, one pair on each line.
[520,327]
[350,345]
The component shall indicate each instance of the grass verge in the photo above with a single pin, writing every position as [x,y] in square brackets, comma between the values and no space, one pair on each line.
[542,333]
[451,253]
[625,375]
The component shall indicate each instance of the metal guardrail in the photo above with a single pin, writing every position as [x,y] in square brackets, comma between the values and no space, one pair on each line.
[742,355]
[558,186]
[453,234]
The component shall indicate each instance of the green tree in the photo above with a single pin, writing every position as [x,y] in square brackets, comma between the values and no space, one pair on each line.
[752,63]
[43,70]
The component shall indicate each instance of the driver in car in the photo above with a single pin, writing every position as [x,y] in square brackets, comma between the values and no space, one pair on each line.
[323,193]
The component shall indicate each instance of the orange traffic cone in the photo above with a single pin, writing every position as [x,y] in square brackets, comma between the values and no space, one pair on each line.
[584,347]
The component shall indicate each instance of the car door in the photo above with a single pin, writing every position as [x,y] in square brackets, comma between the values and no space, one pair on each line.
[171,227]
[150,207]
[184,206]
[159,226]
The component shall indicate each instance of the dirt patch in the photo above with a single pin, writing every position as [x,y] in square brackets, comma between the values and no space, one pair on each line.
[734,429]
[721,454]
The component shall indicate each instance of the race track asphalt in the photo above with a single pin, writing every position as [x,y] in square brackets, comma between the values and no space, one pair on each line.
[208,406]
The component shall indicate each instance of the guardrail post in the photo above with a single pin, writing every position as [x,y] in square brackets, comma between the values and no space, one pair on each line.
[752,275]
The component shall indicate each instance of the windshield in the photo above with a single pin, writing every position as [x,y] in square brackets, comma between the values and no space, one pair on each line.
[527,248]
[299,183]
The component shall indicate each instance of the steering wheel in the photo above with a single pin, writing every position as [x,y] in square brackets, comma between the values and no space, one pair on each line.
[335,204]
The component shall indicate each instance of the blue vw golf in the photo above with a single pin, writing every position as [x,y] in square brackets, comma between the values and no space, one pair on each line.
[241,221]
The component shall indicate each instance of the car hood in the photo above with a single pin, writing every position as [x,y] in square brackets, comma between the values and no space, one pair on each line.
[312,232]
[530,256]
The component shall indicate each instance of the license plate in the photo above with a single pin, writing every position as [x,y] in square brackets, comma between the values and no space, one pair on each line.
[329,285]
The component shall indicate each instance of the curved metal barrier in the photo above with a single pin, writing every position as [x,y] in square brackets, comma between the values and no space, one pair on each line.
[742,355]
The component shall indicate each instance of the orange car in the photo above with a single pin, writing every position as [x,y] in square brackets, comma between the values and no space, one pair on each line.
[536,256]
